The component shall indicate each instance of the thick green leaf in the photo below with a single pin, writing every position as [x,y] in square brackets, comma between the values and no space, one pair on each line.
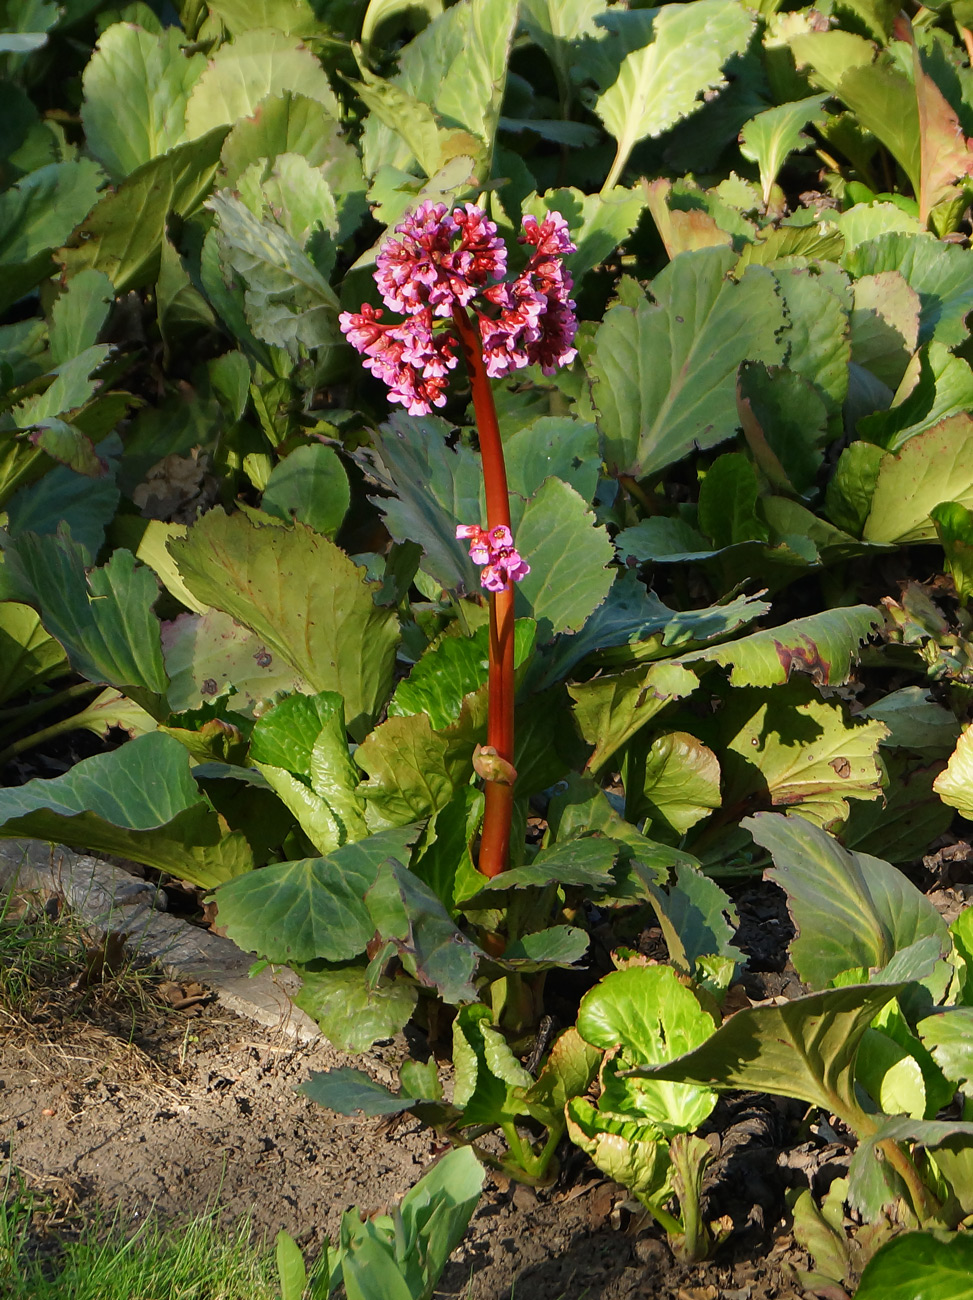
[311,485]
[152,76]
[849,496]
[301,747]
[257,64]
[787,748]
[433,486]
[938,272]
[918,1266]
[351,1013]
[931,468]
[821,645]
[414,771]
[209,655]
[849,909]
[450,670]
[696,916]
[28,654]
[664,60]
[663,373]
[559,945]
[78,315]
[291,123]
[102,618]
[444,859]
[673,783]
[728,498]
[123,234]
[36,215]
[955,785]
[626,1151]
[610,710]
[915,722]
[935,386]
[73,384]
[884,325]
[138,801]
[948,1035]
[805,1048]
[817,305]
[314,908]
[303,597]
[64,496]
[456,67]
[772,136]
[287,300]
[407,915]
[555,446]
[291,16]
[954,525]
[568,554]
[646,1016]
[582,863]
[880,94]
[633,625]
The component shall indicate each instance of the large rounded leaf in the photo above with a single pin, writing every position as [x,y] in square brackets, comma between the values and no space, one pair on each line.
[650,1017]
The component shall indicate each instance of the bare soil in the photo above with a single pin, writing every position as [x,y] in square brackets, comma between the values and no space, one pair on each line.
[165,1105]
[140,1108]
[177,1111]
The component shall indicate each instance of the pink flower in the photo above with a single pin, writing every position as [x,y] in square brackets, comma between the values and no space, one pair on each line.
[423,269]
[408,356]
[493,549]
[441,263]
[551,237]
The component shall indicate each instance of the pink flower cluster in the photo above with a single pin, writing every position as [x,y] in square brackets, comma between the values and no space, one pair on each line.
[442,262]
[494,549]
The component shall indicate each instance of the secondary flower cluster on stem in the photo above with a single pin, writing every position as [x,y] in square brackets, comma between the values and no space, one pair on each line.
[493,548]
[445,263]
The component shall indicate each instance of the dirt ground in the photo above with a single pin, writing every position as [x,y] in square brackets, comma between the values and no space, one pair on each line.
[146,1109]
[176,1112]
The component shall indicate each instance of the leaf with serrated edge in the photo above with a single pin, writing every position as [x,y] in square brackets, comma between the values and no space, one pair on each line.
[661,80]
[788,748]
[769,138]
[305,599]
[139,801]
[805,1048]
[352,1016]
[663,373]
[850,909]
[248,69]
[931,468]
[123,233]
[151,75]
[822,645]
[312,908]
[610,710]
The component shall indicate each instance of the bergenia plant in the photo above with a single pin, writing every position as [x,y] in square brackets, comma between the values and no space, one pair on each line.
[447,277]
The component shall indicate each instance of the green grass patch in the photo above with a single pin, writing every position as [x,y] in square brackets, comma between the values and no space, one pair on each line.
[200,1260]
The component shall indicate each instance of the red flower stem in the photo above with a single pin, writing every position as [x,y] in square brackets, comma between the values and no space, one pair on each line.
[498,813]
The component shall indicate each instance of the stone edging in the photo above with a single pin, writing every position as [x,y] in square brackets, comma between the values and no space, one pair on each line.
[108,899]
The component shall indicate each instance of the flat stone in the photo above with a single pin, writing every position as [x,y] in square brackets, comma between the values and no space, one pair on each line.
[109,900]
